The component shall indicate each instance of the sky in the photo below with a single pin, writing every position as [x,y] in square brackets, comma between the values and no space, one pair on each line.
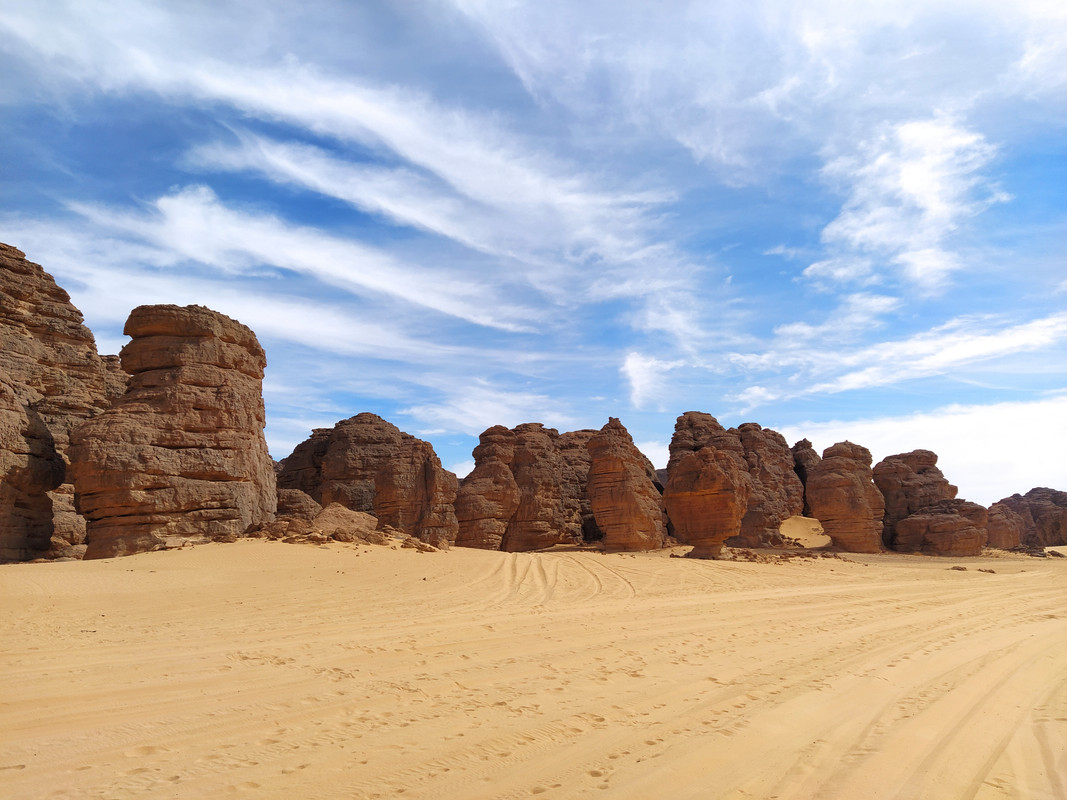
[839,220]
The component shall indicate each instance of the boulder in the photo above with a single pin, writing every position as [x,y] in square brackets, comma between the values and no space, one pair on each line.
[706,497]
[946,528]
[804,460]
[1004,527]
[1043,513]
[622,492]
[522,494]
[295,504]
[181,454]
[369,465]
[909,482]
[776,491]
[845,500]
[50,364]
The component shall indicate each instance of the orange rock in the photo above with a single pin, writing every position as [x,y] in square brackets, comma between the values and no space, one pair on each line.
[844,499]
[706,497]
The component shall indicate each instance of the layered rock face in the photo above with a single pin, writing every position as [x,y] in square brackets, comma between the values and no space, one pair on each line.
[909,482]
[1004,527]
[946,528]
[845,500]
[369,465]
[181,453]
[572,447]
[706,497]
[776,491]
[804,460]
[52,369]
[522,494]
[1043,513]
[622,492]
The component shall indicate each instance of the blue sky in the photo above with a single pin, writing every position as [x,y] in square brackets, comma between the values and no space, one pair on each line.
[837,219]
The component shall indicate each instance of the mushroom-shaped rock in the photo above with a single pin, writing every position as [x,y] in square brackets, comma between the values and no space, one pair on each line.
[909,482]
[947,528]
[181,454]
[622,492]
[845,500]
[705,498]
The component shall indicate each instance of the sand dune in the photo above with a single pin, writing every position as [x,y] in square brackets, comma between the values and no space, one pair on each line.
[270,670]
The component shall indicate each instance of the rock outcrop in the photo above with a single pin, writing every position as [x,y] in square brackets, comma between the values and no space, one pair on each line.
[909,482]
[804,460]
[706,497]
[845,500]
[522,493]
[369,465]
[572,447]
[945,528]
[48,359]
[1004,527]
[622,492]
[1044,516]
[776,491]
[181,453]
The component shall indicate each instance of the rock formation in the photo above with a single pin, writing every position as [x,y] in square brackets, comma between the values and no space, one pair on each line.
[1004,527]
[622,492]
[945,528]
[572,447]
[181,453]
[804,460]
[845,500]
[522,494]
[48,359]
[776,491]
[909,482]
[706,497]
[1043,513]
[367,464]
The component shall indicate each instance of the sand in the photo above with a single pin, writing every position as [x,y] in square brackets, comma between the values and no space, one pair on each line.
[268,670]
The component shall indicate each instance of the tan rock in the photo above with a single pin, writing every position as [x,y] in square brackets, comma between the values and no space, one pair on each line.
[845,500]
[804,460]
[946,528]
[622,492]
[488,497]
[572,447]
[1004,527]
[706,497]
[909,482]
[368,464]
[51,365]
[181,453]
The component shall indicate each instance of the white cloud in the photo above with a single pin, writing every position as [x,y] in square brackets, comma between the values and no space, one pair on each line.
[658,452]
[473,407]
[981,448]
[647,376]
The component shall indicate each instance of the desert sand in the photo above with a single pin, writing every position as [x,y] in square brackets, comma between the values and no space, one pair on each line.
[268,670]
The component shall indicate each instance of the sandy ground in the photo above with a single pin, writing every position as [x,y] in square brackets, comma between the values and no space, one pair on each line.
[267,670]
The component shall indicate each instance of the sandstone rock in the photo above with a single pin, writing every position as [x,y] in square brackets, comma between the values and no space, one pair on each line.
[909,482]
[572,446]
[343,524]
[845,500]
[182,452]
[367,464]
[706,497]
[51,366]
[30,467]
[622,492]
[1004,527]
[1044,516]
[776,491]
[522,494]
[295,504]
[804,460]
[946,528]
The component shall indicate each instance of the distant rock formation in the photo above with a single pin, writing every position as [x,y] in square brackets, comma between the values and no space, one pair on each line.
[909,482]
[705,498]
[622,492]
[1004,527]
[572,446]
[945,528]
[49,361]
[522,494]
[1043,513]
[369,465]
[804,460]
[181,453]
[845,500]
[776,491]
